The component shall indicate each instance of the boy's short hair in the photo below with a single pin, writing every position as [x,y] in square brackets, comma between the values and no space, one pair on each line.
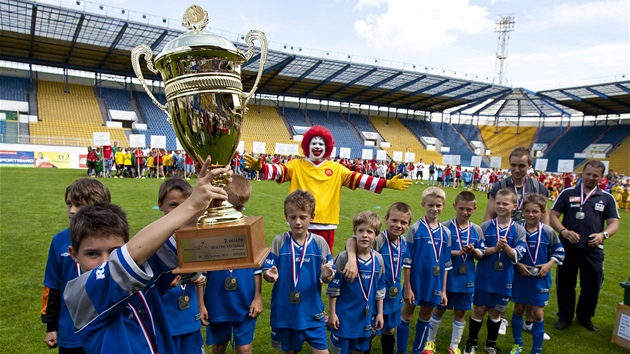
[87,191]
[536,199]
[175,183]
[104,220]
[400,207]
[434,192]
[369,218]
[508,192]
[239,190]
[300,199]
[465,196]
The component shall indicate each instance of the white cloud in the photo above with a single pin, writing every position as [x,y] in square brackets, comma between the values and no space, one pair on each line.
[419,26]
[585,14]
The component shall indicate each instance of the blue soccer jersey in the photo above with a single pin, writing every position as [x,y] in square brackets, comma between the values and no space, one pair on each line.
[182,309]
[60,269]
[356,301]
[393,254]
[542,246]
[117,307]
[299,273]
[429,256]
[495,272]
[229,294]
[461,279]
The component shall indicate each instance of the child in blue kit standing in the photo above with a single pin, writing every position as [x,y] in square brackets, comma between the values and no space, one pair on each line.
[181,302]
[352,304]
[61,268]
[467,245]
[124,279]
[298,261]
[391,244]
[532,281]
[233,300]
[426,265]
[505,245]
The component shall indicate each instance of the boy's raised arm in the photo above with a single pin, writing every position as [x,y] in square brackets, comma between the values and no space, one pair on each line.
[148,240]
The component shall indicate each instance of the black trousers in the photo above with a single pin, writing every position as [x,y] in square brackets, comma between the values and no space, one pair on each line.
[589,262]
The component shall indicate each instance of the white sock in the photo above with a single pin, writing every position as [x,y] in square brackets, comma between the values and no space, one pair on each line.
[434,325]
[458,331]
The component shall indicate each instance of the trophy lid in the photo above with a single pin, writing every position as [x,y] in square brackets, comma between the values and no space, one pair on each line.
[195,19]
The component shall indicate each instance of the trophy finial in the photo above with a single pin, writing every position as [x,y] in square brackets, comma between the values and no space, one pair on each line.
[195,18]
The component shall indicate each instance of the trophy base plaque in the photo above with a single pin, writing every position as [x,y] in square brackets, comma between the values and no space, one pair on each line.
[208,247]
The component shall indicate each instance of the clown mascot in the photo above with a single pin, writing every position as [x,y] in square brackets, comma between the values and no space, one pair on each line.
[322,177]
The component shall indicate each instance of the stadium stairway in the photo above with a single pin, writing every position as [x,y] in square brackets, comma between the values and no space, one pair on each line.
[503,139]
[403,140]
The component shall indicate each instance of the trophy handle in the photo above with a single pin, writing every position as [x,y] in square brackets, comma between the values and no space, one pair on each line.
[249,39]
[136,53]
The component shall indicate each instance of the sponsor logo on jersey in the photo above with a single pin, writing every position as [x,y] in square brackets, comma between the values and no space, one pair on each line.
[100,271]
[65,254]
[328,172]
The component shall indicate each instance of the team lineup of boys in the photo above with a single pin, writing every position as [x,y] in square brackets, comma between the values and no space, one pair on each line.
[105,292]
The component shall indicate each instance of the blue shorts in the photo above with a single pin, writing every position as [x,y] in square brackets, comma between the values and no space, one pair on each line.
[531,290]
[189,343]
[426,303]
[390,321]
[340,345]
[221,332]
[458,301]
[286,339]
[490,300]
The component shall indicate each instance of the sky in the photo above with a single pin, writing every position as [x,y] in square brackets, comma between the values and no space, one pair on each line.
[554,44]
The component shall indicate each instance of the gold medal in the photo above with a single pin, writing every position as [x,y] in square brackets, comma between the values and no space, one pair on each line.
[498,266]
[463,269]
[367,310]
[295,297]
[436,271]
[230,284]
[393,292]
[183,302]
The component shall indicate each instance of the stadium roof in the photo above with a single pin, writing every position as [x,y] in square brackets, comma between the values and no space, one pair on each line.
[50,35]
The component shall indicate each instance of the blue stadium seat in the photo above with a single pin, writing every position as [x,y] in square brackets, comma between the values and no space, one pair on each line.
[13,88]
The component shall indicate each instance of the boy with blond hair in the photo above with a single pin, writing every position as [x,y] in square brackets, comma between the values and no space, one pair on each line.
[425,269]
[467,245]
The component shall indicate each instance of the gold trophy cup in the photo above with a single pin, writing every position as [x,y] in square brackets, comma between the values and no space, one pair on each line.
[205,104]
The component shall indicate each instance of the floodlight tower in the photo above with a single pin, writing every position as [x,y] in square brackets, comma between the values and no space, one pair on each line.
[505,25]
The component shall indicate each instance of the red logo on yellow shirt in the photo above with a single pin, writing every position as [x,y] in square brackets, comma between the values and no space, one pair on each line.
[328,172]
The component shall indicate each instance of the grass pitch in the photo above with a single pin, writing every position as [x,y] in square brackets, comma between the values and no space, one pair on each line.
[32,210]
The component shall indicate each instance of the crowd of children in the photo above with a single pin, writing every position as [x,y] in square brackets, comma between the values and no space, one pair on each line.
[373,287]
[118,162]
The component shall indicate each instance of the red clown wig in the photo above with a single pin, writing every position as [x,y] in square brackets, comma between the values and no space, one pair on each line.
[318,130]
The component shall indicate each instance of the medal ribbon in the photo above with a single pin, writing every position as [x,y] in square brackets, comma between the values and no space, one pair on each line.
[183,286]
[296,274]
[145,330]
[395,271]
[538,238]
[582,199]
[507,231]
[435,251]
[366,294]
[519,204]
[459,237]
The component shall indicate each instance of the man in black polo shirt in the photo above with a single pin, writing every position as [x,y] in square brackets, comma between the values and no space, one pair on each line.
[585,209]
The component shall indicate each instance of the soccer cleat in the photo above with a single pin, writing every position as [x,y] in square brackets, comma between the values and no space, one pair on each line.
[470,349]
[516,349]
[429,348]
[503,327]
[454,351]
[493,350]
